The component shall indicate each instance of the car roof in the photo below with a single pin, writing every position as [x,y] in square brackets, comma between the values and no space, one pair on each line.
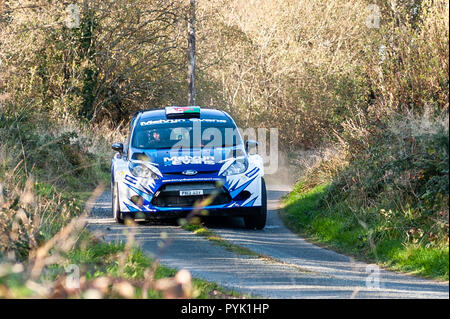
[160,114]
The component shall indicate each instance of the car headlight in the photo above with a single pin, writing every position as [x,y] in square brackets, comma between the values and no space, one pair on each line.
[238,167]
[140,170]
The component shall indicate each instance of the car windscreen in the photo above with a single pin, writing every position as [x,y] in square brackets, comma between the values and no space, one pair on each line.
[185,133]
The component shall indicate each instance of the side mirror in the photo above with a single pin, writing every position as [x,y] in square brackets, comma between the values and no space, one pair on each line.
[250,144]
[118,147]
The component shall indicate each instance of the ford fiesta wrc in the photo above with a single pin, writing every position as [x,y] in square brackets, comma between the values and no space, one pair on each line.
[179,160]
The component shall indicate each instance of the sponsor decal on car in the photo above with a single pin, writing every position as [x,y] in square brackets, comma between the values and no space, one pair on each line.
[184,160]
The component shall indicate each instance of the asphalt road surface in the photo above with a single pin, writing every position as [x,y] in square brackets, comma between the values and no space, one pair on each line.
[297,268]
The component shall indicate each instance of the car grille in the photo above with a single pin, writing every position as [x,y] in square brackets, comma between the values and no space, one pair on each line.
[169,194]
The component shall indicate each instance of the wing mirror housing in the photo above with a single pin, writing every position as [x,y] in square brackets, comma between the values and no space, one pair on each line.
[118,147]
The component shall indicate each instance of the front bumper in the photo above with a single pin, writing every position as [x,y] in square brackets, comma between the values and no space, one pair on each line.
[216,212]
[238,193]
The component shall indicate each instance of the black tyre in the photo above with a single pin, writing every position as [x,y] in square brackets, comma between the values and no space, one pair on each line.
[258,221]
[115,205]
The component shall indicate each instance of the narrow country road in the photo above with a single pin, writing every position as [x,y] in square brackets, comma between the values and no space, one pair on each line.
[298,269]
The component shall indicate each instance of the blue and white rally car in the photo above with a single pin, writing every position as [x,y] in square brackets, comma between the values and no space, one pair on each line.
[178,158]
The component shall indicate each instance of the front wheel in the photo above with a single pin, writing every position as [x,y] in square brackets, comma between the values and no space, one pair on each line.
[115,204]
[258,221]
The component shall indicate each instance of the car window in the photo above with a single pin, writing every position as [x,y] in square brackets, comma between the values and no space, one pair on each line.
[182,134]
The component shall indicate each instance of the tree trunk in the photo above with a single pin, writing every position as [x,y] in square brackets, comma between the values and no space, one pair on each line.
[192,52]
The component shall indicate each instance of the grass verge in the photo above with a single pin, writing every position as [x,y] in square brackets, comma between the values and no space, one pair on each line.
[337,227]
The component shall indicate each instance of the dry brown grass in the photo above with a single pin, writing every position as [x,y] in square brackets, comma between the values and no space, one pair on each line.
[26,224]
